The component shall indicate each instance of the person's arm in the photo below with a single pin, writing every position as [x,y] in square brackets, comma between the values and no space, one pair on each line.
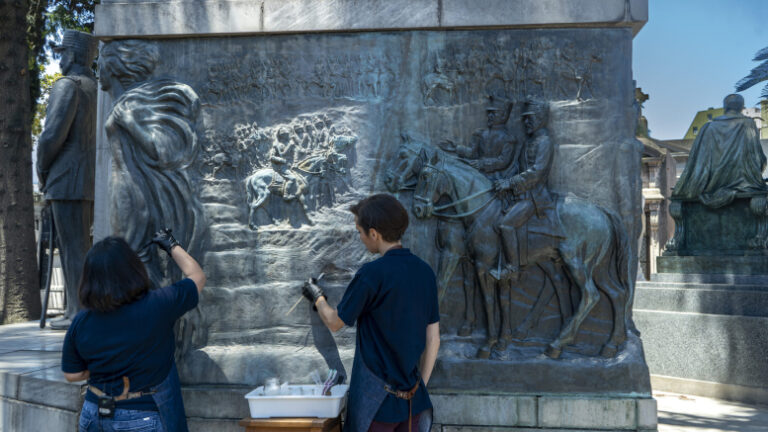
[430,351]
[329,315]
[189,267]
[77,376]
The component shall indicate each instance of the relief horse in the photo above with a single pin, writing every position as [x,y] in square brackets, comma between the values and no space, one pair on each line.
[400,176]
[595,252]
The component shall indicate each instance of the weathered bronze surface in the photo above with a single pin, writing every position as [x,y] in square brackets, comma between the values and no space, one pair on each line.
[66,156]
[720,203]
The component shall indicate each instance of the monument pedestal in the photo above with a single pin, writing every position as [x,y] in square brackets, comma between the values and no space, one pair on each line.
[706,334]
[352,87]
[475,412]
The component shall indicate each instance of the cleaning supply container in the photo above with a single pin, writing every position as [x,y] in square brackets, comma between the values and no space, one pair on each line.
[297,401]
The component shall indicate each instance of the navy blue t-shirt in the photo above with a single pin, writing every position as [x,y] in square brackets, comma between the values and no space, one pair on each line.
[393,299]
[136,340]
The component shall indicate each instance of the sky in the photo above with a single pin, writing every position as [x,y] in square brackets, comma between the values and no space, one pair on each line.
[690,55]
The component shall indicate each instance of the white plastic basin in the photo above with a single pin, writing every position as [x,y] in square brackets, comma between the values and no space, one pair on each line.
[303,401]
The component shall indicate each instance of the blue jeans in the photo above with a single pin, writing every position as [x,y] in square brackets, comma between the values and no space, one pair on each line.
[124,420]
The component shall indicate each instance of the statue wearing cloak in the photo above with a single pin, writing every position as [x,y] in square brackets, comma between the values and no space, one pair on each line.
[726,161]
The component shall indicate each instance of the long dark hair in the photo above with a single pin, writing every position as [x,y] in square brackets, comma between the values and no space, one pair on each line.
[113,275]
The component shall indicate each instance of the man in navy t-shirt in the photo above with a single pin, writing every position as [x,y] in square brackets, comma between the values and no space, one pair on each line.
[393,302]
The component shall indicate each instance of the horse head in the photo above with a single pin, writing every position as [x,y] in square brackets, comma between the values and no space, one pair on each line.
[431,183]
[405,166]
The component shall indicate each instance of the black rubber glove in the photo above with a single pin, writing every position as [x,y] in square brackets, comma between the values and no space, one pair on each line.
[165,241]
[312,292]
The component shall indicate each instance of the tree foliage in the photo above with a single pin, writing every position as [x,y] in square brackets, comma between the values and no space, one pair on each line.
[46,83]
[46,21]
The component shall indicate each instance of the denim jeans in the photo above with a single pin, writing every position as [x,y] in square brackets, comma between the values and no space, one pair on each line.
[124,420]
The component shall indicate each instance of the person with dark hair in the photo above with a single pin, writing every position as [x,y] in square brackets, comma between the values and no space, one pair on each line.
[393,301]
[122,341]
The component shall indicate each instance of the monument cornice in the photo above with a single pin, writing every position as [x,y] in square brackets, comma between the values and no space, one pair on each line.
[199,18]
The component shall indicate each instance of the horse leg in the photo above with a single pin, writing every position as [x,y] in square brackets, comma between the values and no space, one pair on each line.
[562,288]
[619,332]
[505,295]
[532,318]
[445,269]
[469,298]
[589,298]
[487,287]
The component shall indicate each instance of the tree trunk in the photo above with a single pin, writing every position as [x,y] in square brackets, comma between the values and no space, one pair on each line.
[19,293]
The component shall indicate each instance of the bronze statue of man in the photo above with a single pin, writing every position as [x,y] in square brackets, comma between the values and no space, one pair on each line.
[533,207]
[66,155]
[726,159]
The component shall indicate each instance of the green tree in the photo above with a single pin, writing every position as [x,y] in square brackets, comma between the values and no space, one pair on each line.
[46,21]
[19,293]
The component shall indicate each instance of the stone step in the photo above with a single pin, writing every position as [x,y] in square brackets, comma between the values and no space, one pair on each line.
[727,349]
[722,300]
[749,279]
[697,285]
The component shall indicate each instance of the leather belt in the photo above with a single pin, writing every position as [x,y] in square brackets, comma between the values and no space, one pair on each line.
[123,396]
[407,395]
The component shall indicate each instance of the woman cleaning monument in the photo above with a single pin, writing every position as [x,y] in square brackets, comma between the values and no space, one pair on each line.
[122,342]
[393,301]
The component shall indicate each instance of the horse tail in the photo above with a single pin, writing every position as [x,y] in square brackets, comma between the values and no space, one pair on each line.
[623,252]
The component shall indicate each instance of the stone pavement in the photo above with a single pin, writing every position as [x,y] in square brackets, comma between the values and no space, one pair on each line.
[686,413]
[35,355]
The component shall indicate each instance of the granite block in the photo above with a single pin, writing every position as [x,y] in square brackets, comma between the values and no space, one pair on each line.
[708,299]
[714,264]
[339,15]
[209,17]
[490,410]
[21,416]
[178,18]
[9,385]
[715,278]
[587,413]
[647,414]
[51,393]
[542,12]
[716,348]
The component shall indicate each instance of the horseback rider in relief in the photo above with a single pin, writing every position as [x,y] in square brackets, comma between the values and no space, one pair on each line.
[533,209]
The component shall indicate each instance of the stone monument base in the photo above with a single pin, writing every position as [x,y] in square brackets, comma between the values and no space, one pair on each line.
[528,370]
[706,334]
[714,264]
[475,412]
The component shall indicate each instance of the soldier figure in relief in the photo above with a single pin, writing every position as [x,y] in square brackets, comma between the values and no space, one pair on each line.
[493,150]
[533,209]
[282,156]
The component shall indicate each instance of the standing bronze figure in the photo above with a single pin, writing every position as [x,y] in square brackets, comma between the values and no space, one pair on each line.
[66,156]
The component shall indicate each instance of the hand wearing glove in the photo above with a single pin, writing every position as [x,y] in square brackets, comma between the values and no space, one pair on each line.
[312,292]
[165,241]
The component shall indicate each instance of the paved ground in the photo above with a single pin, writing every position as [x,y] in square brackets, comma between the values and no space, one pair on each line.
[686,413]
[28,350]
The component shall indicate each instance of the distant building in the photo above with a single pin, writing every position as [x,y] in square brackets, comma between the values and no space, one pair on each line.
[760,115]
